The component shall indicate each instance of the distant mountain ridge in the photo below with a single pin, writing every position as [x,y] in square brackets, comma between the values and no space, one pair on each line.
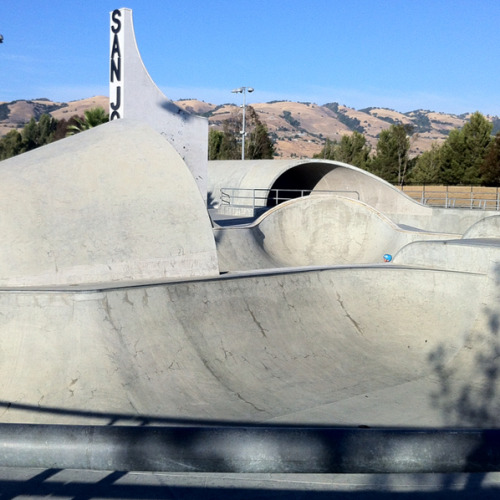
[299,129]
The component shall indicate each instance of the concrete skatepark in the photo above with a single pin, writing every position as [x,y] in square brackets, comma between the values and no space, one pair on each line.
[129,297]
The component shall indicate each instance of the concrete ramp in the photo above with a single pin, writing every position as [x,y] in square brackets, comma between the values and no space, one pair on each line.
[469,255]
[113,204]
[135,96]
[396,205]
[302,346]
[314,230]
[488,227]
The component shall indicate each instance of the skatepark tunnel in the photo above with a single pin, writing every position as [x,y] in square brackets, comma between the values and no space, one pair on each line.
[257,184]
[296,182]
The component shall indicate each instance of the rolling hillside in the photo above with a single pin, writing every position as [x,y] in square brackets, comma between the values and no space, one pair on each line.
[299,129]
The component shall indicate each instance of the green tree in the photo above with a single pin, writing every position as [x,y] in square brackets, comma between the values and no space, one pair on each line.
[92,118]
[230,149]
[30,136]
[463,153]
[226,144]
[259,145]
[392,155]
[36,134]
[215,138]
[490,168]
[352,149]
[327,151]
[11,145]
[46,129]
[426,170]
[61,130]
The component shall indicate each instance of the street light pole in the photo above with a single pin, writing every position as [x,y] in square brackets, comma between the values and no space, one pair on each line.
[243,90]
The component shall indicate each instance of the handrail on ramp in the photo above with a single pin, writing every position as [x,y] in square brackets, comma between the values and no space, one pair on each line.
[259,197]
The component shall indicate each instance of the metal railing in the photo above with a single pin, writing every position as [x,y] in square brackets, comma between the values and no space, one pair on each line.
[258,198]
[250,449]
[472,197]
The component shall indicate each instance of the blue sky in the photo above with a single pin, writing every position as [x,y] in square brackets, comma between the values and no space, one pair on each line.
[441,55]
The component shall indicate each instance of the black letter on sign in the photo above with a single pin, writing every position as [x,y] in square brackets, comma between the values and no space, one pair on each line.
[116,106]
[115,17]
[115,51]
[116,63]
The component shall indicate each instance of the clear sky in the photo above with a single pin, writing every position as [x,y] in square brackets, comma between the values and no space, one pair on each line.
[441,55]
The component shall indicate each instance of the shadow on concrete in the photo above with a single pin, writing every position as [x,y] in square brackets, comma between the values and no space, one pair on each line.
[468,392]
[121,485]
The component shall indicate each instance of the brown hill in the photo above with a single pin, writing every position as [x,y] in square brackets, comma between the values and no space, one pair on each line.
[299,129]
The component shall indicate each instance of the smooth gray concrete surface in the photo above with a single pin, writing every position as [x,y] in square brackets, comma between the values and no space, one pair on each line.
[332,345]
[113,312]
[320,229]
[480,255]
[135,96]
[339,178]
[488,227]
[112,204]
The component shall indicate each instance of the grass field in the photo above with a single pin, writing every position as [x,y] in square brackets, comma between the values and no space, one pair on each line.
[455,196]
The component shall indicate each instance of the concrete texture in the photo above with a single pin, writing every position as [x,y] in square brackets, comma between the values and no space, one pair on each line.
[336,177]
[35,483]
[471,255]
[488,227]
[111,204]
[344,346]
[135,96]
[113,312]
[319,229]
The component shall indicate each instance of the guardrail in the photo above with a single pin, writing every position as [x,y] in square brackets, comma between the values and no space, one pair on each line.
[247,449]
[473,197]
[258,198]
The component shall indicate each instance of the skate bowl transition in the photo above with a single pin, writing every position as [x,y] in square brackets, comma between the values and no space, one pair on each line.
[146,327]
[113,307]
[123,305]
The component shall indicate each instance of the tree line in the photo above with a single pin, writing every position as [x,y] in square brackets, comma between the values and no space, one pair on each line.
[46,130]
[222,144]
[226,144]
[469,156]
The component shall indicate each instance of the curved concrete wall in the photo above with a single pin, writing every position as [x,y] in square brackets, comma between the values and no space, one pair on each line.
[114,203]
[467,255]
[326,175]
[489,227]
[372,190]
[308,175]
[319,229]
[139,99]
[245,348]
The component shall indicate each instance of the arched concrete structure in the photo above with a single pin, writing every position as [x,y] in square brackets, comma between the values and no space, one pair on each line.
[336,177]
[346,345]
[489,227]
[264,175]
[113,204]
[134,95]
[314,230]
[306,175]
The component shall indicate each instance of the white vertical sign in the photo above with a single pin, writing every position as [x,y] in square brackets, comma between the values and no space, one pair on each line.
[116,66]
